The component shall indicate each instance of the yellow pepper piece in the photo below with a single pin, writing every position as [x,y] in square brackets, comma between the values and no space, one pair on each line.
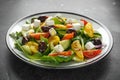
[60,26]
[54,39]
[33,49]
[89,29]
[77,49]
[33,46]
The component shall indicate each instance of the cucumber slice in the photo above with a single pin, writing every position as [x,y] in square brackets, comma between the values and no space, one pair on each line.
[65,44]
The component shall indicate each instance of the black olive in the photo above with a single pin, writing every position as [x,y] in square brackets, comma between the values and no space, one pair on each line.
[97,41]
[45,29]
[42,18]
[42,47]
[71,30]
[25,40]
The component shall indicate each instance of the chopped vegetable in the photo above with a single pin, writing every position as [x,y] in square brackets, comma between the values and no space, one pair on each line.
[54,39]
[77,49]
[65,44]
[60,26]
[89,30]
[68,36]
[91,53]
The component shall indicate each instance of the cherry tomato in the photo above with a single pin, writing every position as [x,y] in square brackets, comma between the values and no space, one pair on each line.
[84,21]
[91,53]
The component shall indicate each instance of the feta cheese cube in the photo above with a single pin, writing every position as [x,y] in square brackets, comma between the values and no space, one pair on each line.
[58,48]
[71,20]
[26,27]
[49,22]
[76,26]
[52,32]
[36,23]
[89,45]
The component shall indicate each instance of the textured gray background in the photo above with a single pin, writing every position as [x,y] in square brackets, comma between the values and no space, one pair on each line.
[106,11]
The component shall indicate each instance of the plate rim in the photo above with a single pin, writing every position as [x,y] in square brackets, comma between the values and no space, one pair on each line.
[52,67]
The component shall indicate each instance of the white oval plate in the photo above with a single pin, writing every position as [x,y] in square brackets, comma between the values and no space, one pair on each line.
[106,39]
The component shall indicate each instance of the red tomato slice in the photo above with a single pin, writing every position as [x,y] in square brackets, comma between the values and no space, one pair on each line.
[69,25]
[37,35]
[91,53]
[68,36]
[64,53]
[84,21]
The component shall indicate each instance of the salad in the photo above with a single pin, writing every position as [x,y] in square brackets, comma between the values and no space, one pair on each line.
[58,39]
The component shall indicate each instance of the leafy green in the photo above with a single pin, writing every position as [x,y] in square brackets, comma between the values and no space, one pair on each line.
[49,59]
[47,51]
[35,56]
[43,39]
[16,35]
[76,38]
[38,29]
[18,40]
[58,20]
[56,59]
[18,46]
[61,33]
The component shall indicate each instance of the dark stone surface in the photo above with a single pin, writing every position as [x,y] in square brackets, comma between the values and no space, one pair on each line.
[106,11]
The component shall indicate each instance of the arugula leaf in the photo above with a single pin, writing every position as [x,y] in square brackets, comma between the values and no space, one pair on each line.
[17,46]
[61,33]
[13,35]
[35,56]
[49,59]
[16,35]
[43,39]
[58,20]
[76,38]
[56,59]
[47,51]
[38,29]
